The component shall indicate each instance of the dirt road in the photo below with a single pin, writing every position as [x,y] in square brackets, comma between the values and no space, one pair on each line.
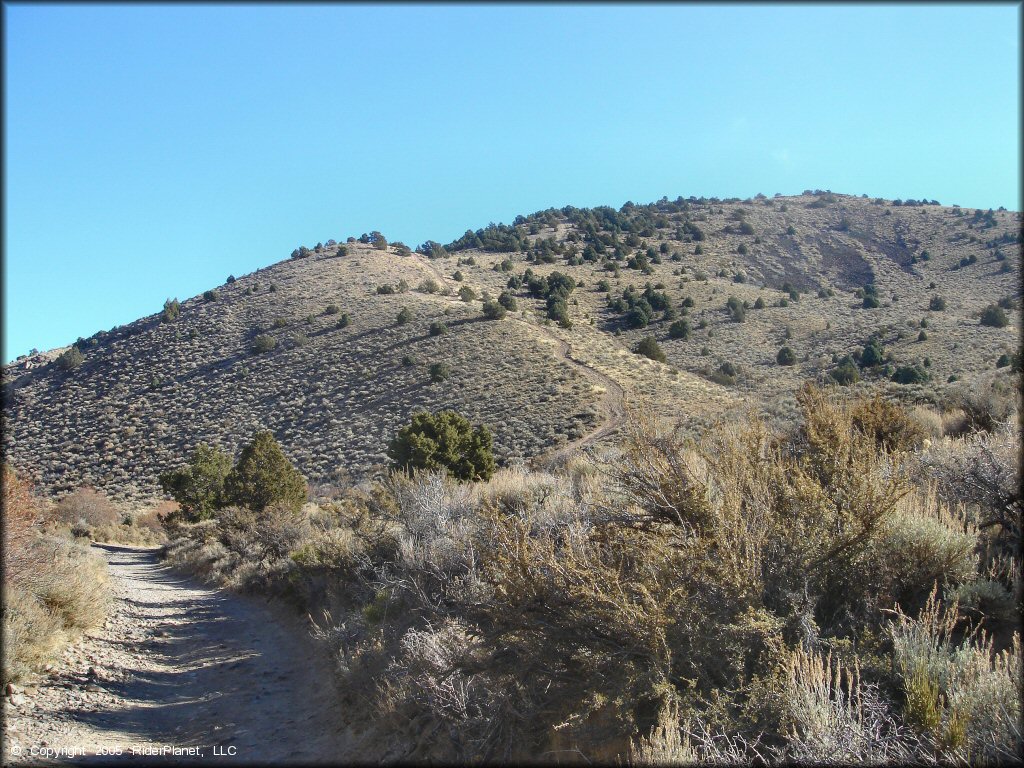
[183,665]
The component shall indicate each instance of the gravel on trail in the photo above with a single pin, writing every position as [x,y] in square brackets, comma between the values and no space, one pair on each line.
[178,665]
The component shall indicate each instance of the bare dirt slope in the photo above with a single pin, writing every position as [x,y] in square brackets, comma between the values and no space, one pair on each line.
[184,665]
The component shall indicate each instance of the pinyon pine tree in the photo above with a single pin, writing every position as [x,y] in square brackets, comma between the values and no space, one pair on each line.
[444,440]
[264,476]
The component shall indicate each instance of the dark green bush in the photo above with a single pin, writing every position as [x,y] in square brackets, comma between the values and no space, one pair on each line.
[872,355]
[171,312]
[737,311]
[439,372]
[332,309]
[386,290]
[994,316]
[648,347]
[209,295]
[786,356]
[198,486]
[910,374]
[725,374]
[70,359]
[937,304]
[507,300]
[344,320]
[845,373]
[437,328]
[263,343]
[404,316]
[493,310]
[467,294]
[680,329]
[264,477]
[444,441]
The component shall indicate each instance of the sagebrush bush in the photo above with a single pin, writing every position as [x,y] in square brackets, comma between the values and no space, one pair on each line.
[53,588]
[87,508]
[726,597]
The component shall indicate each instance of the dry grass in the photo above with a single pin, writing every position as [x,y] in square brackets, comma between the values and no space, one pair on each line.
[721,599]
[54,588]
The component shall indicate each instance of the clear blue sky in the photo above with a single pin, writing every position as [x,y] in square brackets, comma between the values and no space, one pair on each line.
[151,151]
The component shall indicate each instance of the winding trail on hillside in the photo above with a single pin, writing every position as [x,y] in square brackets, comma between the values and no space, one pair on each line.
[611,407]
[180,664]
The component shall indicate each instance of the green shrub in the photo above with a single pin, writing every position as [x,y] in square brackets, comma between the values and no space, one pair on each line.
[507,300]
[936,304]
[280,322]
[444,441]
[910,374]
[344,320]
[263,477]
[845,373]
[786,356]
[680,329]
[171,311]
[872,355]
[648,347]
[458,276]
[332,309]
[263,343]
[404,316]
[467,294]
[70,359]
[408,361]
[198,486]
[994,316]
[209,296]
[429,285]
[439,372]
[386,290]
[871,301]
[922,336]
[438,328]
[760,303]
[726,374]
[493,310]
[737,311]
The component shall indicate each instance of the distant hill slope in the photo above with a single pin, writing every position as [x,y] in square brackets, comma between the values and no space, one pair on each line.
[147,392]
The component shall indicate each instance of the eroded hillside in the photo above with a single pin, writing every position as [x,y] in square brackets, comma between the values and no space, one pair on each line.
[334,393]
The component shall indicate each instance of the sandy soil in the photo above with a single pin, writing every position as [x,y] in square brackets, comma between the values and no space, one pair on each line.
[179,664]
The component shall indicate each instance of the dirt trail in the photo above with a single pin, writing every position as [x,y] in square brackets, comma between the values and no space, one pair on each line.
[611,409]
[179,664]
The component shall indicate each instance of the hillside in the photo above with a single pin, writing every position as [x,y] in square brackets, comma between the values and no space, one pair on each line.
[334,394]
